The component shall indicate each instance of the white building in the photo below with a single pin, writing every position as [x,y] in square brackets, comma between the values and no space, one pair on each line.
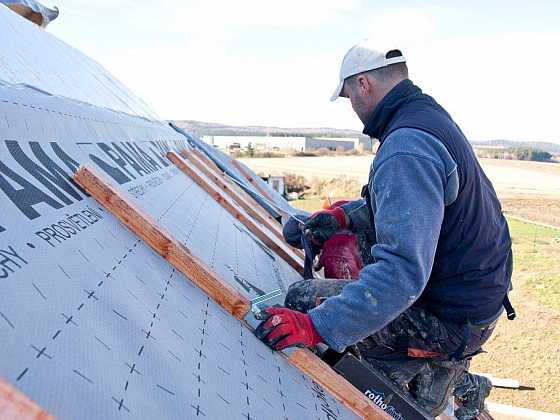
[270,143]
[332,143]
[277,183]
[260,143]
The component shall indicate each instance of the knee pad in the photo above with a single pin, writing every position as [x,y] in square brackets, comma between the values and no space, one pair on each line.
[340,256]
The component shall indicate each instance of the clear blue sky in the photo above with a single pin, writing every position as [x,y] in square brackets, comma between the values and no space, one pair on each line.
[493,64]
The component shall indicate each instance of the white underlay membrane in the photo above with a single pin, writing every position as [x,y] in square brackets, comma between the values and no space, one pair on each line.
[93,323]
[30,56]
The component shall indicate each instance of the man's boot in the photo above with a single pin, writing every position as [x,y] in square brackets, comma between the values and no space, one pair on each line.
[471,393]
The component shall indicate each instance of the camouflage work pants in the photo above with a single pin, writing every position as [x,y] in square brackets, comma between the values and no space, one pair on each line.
[413,351]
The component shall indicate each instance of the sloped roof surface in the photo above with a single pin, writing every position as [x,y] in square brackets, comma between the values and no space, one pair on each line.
[36,58]
[93,323]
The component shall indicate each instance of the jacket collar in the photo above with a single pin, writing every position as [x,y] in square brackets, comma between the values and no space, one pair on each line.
[378,122]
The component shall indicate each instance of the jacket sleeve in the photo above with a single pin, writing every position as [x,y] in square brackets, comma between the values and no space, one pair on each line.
[358,214]
[408,187]
[292,230]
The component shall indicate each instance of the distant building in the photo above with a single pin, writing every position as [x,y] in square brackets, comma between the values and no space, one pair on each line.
[331,143]
[295,144]
[366,143]
[258,143]
[277,183]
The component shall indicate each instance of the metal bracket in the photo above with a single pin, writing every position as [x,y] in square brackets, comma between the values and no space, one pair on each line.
[260,303]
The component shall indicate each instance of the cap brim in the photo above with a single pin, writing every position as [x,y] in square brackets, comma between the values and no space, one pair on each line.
[338,91]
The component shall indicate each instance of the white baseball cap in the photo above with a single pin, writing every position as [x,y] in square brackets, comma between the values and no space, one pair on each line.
[361,58]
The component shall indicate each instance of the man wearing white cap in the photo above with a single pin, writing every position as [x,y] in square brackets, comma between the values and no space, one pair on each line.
[442,259]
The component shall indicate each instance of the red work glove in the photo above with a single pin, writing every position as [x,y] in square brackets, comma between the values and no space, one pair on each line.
[286,328]
[323,224]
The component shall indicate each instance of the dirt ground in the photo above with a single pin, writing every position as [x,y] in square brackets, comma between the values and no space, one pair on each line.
[528,348]
[538,208]
[530,190]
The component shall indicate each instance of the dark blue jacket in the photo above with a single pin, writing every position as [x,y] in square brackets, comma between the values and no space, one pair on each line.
[442,242]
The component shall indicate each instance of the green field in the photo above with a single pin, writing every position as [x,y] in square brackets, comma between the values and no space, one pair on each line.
[536,251]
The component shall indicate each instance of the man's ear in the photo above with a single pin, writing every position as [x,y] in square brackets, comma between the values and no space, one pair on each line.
[364,85]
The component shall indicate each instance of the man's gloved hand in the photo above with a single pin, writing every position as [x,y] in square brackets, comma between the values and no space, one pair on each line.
[284,328]
[323,224]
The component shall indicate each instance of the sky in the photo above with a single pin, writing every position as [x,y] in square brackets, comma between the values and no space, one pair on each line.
[493,65]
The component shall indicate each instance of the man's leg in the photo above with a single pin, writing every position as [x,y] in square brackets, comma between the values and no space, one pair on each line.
[387,350]
[471,391]
[433,386]
[305,295]
[412,351]
[429,379]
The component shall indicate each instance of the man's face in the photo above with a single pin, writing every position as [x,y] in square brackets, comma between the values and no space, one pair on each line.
[358,92]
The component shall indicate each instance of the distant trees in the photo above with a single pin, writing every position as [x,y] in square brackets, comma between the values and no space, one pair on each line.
[294,183]
[514,153]
[526,153]
[250,150]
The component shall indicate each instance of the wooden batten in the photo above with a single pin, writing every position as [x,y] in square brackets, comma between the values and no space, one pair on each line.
[209,168]
[241,197]
[162,241]
[27,12]
[275,243]
[221,181]
[255,183]
[15,405]
[309,363]
[210,163]
[202,156]
[214,286]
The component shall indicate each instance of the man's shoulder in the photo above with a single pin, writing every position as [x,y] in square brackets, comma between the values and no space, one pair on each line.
[407,143]
[417,143]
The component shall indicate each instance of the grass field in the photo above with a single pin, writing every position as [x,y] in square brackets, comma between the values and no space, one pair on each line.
[528,348]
